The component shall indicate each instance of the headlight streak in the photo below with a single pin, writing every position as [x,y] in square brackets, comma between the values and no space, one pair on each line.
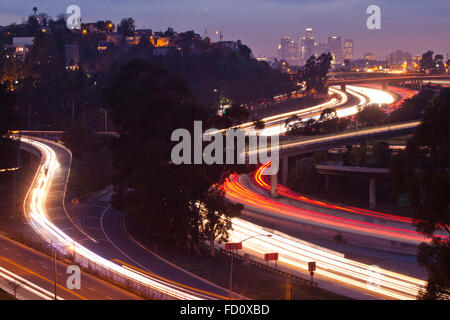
[261,181]
[237,191]
[35,209]
[27,285]
[329,265]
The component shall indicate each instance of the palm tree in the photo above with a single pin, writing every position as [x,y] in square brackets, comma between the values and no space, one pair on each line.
[34,10]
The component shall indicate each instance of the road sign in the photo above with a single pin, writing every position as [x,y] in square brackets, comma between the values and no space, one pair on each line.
[233,246]
[403,200]
[271,256]
[312,266]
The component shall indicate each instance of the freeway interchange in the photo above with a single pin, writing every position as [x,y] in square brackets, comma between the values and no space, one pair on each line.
[114,255]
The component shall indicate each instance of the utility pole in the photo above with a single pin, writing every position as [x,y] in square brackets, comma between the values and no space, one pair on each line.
[55,268]
[14,194]
[231,274]
[288,288]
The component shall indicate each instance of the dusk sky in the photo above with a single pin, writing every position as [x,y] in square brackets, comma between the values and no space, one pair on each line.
[410,25]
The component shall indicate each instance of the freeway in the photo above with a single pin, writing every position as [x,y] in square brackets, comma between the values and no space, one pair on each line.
[364,223]
[334,271]
[119,254]
[52,222]
[105,224]
[34,272]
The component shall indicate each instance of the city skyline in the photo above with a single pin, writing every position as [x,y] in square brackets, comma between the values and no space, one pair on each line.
[271,19]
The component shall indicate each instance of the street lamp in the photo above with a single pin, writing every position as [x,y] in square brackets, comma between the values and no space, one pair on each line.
[231,265]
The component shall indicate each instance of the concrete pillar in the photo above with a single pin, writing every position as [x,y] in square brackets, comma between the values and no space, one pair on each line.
[343,87]
[273,185]
[372,193]
[327,182]
[284,170]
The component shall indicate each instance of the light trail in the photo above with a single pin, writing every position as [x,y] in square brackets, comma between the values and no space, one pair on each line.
[275,124]
[239,192]
[36,214]
[295,255]
[263,182]
[27,285]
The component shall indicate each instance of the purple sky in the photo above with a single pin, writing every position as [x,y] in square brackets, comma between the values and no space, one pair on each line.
[409,25]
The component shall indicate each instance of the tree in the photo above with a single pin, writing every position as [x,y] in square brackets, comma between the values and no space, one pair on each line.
[35,10]
[126,27]
[412,108]
[422,172]
[438,63]
[426,62]
[8,116]
[370,116]
[45,59]
[161,102]
[436,257]
[8,121]
[217,212]
[259,125]
[314,72]
[236,114]
[329,122]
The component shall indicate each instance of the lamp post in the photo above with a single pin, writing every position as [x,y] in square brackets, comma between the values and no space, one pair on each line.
[231,265]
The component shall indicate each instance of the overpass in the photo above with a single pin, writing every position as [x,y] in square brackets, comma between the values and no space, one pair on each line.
[384,80]
[299,145]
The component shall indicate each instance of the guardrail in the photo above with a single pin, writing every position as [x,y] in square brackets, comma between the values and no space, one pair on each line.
[301,281]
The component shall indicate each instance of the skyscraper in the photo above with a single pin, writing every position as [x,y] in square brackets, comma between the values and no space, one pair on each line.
[308,46]
[322,48]
[335,47]
[348,49]
[288,51]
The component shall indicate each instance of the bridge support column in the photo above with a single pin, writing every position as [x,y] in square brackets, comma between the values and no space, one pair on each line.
[372,193]
[284,170]
[273,185]
[343,87]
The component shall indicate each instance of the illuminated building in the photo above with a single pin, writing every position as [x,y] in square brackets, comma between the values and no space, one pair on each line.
[348,49]
[288,51]
[308,46]
[335,47]
[369,56]
[399,60]
[21,47]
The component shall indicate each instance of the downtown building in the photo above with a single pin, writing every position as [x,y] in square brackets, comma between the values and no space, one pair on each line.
[308,46]
[399,60]
[288,51]
[335,48]
[348,49]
